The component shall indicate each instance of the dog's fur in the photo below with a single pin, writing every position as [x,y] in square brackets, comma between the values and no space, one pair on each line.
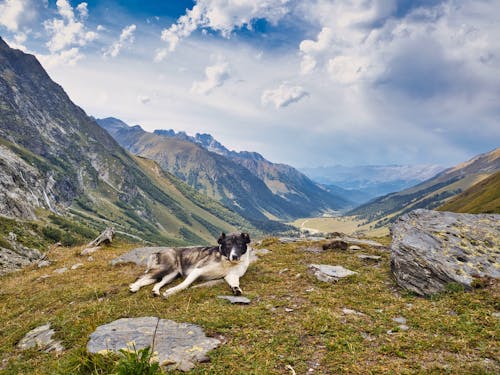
[229,260]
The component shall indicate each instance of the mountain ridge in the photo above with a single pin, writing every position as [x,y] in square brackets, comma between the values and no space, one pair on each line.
[276,191]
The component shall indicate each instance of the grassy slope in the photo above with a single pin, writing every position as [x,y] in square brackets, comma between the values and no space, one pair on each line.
[453,333]
[483,197]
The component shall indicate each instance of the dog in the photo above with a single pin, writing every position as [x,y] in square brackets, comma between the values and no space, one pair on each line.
[228,260]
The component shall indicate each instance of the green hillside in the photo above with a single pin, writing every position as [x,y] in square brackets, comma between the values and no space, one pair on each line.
[483,197]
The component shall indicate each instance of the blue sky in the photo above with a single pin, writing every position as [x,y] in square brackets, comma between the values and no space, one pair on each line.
[308,83]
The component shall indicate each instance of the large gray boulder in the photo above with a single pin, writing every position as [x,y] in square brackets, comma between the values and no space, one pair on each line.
[179,345]
[14,256]
[431,249]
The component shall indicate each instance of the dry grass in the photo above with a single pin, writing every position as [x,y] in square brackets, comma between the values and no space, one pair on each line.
[344,224]
[451,333]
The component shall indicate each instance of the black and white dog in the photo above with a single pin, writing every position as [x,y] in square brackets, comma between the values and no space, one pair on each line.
[229,260]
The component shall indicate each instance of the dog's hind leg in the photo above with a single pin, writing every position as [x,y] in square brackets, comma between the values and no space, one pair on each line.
[144,280]
[164,281]
[186,283]
[234,282]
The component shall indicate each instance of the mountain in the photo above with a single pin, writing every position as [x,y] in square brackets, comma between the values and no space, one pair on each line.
[483,197]
[58,165]
[365,182]
[431,193]
[283,180]
[245,182]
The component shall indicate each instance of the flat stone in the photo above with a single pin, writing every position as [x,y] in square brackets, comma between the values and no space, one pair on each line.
[399,319]
[369,257]
[328,273]
[77,265]
[432,249]
[179,345]
[61,270]
[496,314]
[313,249]
[236,299]
[347,311]
[354,248]
[41,337]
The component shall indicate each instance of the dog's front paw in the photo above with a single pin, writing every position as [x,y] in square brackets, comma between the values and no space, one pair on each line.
[167,294]
[133,288]
[237,291]
[156,292]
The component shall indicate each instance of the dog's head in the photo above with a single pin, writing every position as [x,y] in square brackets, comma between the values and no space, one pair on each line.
[234,245]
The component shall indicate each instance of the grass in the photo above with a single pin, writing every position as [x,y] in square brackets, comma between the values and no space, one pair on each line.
[344,224]
[454,332]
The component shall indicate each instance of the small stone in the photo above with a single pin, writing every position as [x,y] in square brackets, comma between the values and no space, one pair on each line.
[90,259]
[309,290]
[43,263]
[41,337]
[260,252]
[283,271]
[236,299]
[496,314]
[403,327]
[313,249]
[61,270]
[328,273]
[298,276]
[399,319]
[287,309]
[90,250]
[77,265]
[43,277]
[347,311]
[369,257]
[354,248]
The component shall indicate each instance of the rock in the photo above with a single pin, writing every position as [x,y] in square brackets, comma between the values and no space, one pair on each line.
[179,345]
[138,256]
[354,248]
[327,273]
[61,270]
[369,257]
[40,337]
[399,319]
[236,299]
[90,250]
[347,311]
[313,249]
[336,245]
[15,256]
[287,309]
[77,265]
[431,249]
[352,241]
[403,327]
[43,263]
[496,314]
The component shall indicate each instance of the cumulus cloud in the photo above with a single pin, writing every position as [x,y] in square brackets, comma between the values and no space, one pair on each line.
[223,16]
[14,13]
[215,76]
[283,96]
[126,37]
[67,30]
[66,57]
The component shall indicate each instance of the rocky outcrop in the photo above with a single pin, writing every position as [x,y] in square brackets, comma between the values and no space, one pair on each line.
[179,345]
[431,249]
[14,256]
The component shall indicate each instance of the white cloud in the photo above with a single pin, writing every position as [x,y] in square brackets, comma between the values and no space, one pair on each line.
[223,16]
[143,99]
[126,37]
[66,57]
[13,13]
[284,95]
[83,10]
[215,76]
[67,31]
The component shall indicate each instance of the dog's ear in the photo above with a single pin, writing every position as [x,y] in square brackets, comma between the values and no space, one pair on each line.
[221,238]
[246,237]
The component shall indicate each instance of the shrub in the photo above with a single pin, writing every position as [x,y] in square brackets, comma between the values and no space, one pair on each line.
[137,362]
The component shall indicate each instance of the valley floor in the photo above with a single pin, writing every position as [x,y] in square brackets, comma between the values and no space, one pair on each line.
[293,322]
[344,224]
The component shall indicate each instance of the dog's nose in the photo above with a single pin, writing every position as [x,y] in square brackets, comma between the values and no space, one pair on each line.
[234,257]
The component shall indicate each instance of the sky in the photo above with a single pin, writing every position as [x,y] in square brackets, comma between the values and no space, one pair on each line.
[303,82]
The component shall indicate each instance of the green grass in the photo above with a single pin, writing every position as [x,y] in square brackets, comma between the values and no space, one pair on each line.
[483,197]
[452,333]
